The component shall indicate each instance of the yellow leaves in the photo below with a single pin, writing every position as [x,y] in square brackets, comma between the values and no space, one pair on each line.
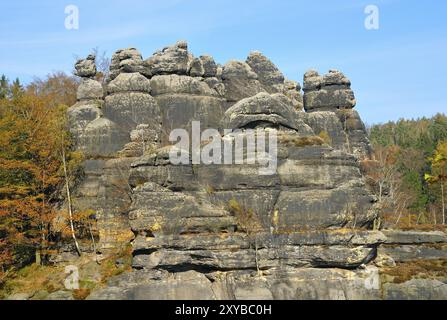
[84,220]
[31,136]
[439,157]
[438,164]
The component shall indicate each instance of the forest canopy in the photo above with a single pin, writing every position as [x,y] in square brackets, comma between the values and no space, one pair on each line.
[412,168]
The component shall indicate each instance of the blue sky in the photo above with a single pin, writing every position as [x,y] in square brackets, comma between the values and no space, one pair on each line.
[397,71]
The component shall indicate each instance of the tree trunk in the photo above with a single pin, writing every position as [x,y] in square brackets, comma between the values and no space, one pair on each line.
[94,242]
[70,211]
[38,257]
[380,192]
[443,202]
[256,256]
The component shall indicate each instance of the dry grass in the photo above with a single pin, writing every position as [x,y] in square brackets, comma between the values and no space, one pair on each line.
[47,279]
[424,227]
[423,269]
[110,269]
[326,137]
[247,220]
[34,278]
[209,190]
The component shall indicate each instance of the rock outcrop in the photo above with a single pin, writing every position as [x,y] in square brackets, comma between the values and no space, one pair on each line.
[268,74]
[86,68]
[127,61]
[329,102]
[333,90]
[302,230]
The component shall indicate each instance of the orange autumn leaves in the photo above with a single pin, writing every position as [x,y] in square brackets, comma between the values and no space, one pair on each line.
[32,135]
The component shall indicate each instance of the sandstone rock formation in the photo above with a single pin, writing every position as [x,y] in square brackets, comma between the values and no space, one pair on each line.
[329,101]
[209,231]
[127,61]
[268,74]
[86,68]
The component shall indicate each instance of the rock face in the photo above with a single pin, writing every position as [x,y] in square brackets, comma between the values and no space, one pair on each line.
[297,284]
[171,60]
[86,68]
[265,108]
[183,99]
[333,90]
[329,101]
[127,61]
[268,74]
[240,81]
[300,230]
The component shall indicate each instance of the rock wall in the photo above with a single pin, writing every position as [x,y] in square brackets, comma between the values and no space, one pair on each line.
[224,231]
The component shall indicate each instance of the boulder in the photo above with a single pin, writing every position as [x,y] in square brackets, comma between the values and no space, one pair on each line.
[183,99]
[268,74]
[129,82]
[86,68]
[171,60]
[209,66]
[197,69]
[416,289]
[19,296]
[292,90]
[204,66]
[60,295]
[217,85]
[240,81]
[90,90]
[127,61]
[175,84]
[329,92]
[263,107]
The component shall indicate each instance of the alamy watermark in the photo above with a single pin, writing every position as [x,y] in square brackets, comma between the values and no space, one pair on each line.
[235,147]
[72,280]
[372,20]
[72,19]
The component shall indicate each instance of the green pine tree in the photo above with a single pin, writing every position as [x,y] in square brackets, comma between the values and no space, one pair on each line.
[4,87]
[16,89]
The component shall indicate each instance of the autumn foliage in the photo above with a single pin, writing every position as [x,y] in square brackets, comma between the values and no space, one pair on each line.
[408,172]
[32,136]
